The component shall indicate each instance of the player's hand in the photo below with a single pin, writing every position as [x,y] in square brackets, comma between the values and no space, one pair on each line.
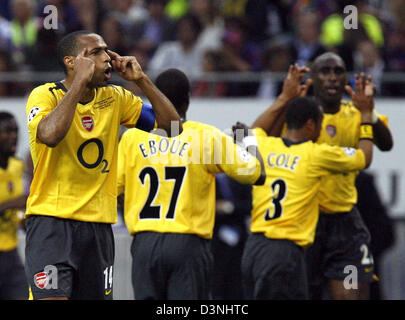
[83,67]
[127,67]
[363,97]
[292,86]
[240,130]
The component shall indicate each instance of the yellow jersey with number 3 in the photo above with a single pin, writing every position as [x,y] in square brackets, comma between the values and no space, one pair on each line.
[169,183]
[286,206]
[11,187]
[338,192]
[77,178]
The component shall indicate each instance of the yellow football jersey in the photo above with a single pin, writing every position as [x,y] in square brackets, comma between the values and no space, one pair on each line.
[338,192]
[11,187]
[170,182]
[286,206]
[77,179]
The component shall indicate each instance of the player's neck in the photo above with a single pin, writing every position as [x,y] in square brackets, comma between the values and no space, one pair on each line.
[296,135]
[88,94]
[330,107]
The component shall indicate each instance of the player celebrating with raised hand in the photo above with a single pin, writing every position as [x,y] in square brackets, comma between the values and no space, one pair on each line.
[74,128]
[285,209]
[341,239]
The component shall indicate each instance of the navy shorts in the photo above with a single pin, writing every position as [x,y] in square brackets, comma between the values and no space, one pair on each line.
[273,269]
[171,266]
[13,284]
[69,258]
[341,247]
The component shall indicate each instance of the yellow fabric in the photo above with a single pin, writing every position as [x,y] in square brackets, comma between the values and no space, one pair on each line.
[77,179]
[11,187]
[286,206]
[170,182]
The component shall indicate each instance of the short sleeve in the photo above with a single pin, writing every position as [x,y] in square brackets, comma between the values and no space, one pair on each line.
[338,159]
[40,103]
[221,154]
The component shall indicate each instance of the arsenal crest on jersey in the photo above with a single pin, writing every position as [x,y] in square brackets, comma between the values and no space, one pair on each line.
[88,123]
[331,130]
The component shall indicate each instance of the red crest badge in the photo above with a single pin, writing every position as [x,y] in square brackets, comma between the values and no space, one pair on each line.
[88,123]
[41,280]
[331,130]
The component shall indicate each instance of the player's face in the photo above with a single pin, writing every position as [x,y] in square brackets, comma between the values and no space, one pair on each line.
[97,51]
[8,137]
[329,79]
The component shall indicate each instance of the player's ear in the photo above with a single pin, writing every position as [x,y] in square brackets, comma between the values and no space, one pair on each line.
[69,62]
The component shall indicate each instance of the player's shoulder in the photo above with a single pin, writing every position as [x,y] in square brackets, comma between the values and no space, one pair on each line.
[199,126]
[48,88]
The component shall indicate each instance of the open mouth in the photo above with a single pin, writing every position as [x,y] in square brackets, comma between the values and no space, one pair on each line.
[332,90]
[107,73]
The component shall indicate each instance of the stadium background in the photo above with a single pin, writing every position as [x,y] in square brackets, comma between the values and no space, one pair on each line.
[236,61]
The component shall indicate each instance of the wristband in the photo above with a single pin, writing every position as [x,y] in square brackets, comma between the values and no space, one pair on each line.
[366,131]
[374,117]
[249,141]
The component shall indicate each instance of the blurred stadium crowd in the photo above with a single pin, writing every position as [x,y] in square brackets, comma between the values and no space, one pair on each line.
[203,37]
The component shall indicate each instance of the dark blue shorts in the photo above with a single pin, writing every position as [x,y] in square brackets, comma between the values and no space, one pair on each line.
[69,258]
[171,266]
[341,249]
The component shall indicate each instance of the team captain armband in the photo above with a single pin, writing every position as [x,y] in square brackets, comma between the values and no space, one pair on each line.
[146,121]
[366,131]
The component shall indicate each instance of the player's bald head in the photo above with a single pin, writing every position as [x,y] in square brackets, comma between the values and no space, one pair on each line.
[324,58]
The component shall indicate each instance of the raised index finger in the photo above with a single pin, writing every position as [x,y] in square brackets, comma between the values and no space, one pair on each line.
[113,55]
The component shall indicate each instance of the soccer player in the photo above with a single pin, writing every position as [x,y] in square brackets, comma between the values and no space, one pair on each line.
[73,128]
[13,284]
[169,206]
[342,238]
[285,209]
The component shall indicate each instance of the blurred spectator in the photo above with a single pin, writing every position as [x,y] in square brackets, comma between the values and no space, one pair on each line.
[5,34]
[334,35]
[7,89]
[175,9]
[367,59]
[5,9]
[43,55]
[68,19]
[276,58]
[211,21]
[113,34]
[213,61]
[157,28]
[89,13]
[242,54]
[183,53]
[305,46]
[24,31]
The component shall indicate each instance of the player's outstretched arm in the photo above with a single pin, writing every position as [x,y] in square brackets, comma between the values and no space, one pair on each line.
[272,119]
[240,132]
[129,69]
[363,99]
[54,127]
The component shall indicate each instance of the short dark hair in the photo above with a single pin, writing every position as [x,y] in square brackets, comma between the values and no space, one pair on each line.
[175,85]
[5,116]
[299,110]
[68,46]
